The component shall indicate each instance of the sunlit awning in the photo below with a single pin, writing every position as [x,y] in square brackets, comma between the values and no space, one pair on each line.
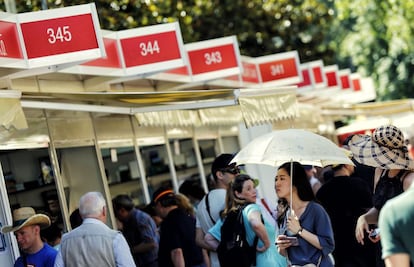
[179,108]
[370,109]
[265,106]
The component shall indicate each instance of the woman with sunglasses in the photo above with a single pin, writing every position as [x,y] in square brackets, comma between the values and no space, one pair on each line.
[307,236]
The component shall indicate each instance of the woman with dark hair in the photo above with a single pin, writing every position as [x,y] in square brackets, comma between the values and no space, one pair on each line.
[306,236]
[242,193]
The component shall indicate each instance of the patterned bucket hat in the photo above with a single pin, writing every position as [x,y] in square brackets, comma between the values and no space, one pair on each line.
[385,149]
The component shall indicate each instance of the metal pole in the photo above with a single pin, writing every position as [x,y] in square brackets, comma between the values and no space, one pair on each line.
[44,5]
[200,164]
[220,141]
[141,165]
[104,179]
[10,6]
[171,162]
[7,215]
[58,178]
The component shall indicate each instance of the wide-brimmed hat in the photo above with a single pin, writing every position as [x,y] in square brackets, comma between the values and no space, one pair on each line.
[385,149]
[24,217]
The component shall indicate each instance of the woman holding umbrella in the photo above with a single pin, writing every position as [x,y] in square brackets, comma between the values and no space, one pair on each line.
[307,236]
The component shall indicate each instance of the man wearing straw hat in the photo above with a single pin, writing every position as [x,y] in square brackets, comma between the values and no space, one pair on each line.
[26,227]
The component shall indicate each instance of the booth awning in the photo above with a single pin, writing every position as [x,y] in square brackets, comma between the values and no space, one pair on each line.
[370,109]
[263,106]
[179,108]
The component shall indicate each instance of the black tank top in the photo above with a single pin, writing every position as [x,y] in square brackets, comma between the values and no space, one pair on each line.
[388,188]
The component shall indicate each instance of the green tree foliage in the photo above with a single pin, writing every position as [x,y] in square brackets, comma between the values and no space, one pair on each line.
[377,36]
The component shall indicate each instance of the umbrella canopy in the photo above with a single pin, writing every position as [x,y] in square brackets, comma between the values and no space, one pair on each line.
[290,145]
[281,146]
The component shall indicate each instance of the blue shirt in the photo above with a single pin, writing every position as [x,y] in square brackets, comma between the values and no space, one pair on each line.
[43,258]
[315,220]
[270,257]
[122,254]
[141,228]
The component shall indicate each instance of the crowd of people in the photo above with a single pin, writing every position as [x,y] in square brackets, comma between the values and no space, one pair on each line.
[346,216]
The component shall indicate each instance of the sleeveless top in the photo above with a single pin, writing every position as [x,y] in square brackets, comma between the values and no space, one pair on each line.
[388,188]
[89,245]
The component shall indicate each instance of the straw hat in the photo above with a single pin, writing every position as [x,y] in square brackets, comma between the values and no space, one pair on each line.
[24,217]
[385,149]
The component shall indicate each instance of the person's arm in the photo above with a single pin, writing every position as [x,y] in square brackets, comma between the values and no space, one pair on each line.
[363,222]
[177,257]
[255,221]
[397,260]
[370,217]
[148,231]
[408,180]
[122,254]
[213,237]
[295,227]
[206,258]
[315,230]
[143,247]
[200,241]
[211,241]
[282,245]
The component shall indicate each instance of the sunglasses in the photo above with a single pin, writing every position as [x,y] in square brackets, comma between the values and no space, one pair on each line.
[232,170]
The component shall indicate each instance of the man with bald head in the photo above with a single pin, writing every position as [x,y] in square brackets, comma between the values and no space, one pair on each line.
[93,243]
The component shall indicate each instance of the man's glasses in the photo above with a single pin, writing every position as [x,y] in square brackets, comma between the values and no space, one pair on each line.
[232,170]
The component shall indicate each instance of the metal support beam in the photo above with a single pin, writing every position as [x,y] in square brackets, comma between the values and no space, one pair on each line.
[10,6]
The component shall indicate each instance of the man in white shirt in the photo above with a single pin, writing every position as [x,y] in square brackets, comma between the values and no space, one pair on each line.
[210,207]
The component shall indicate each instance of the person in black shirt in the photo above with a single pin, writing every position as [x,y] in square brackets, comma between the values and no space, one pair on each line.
[177,233]
[345,198]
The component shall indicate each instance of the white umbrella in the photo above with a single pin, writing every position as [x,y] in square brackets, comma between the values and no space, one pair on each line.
[280,146]
[290,145]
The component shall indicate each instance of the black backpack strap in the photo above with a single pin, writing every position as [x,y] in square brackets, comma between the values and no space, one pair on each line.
[208,208]
[255,241]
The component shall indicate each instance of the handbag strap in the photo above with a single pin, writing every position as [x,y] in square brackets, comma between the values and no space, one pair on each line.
[266,206]
[256,238]
[208,208]
[24,258]
[317,265]
[319,261]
